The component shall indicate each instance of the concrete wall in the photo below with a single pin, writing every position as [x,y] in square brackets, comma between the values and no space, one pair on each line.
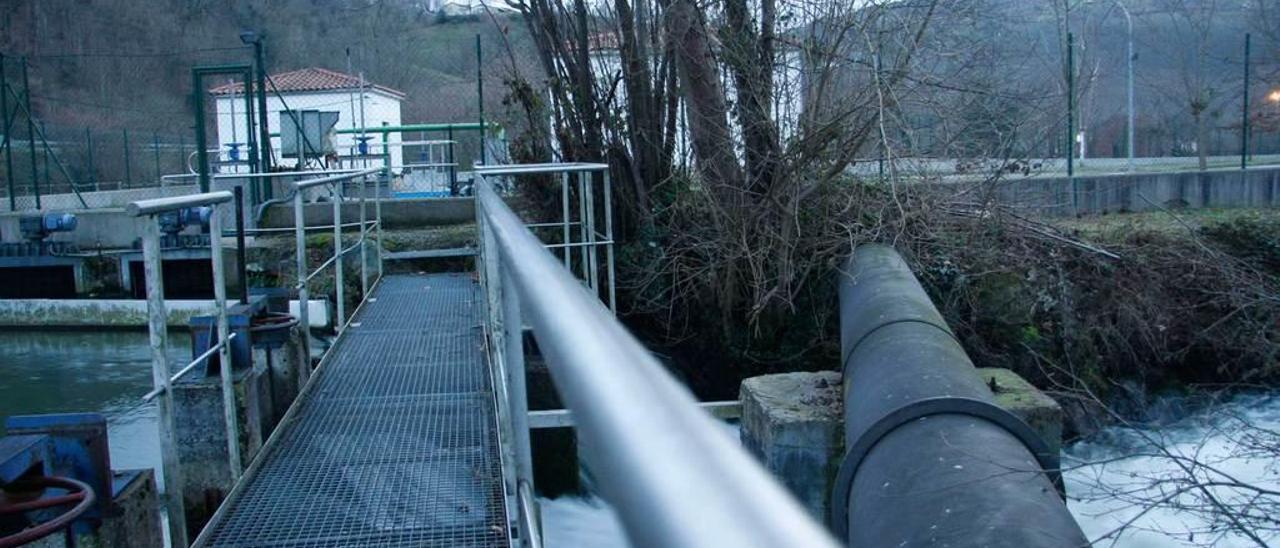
[399,213]
[119,312]
[94,312]
[108,198]
[1144,192]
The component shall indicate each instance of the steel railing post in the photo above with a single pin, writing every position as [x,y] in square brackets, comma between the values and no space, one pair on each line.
[338,281]
[582,228]
[593,281]
[564,216]
[304,305]
[490,283]
[224,353]
[157,322]
[608,235]
[364,229]
[513,328]
[383,177]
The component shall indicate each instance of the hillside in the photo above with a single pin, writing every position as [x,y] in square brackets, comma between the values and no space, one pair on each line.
[124,64]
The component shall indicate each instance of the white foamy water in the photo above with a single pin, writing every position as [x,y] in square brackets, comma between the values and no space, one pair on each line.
[1114,478]
[580,521]
[1109,479]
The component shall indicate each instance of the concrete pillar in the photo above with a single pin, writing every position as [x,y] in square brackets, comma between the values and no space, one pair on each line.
[1034,407]
[794,423]
[133,519]
[201,437]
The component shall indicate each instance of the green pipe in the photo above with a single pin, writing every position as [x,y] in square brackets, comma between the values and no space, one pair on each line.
[436,128]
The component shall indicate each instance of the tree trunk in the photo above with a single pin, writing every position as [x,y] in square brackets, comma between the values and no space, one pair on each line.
[708,114]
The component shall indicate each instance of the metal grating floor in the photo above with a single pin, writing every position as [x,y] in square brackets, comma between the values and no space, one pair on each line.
[396,443]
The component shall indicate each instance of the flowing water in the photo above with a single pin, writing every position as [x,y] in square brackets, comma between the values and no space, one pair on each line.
[1113,477]
[77,371]
[1117,459]
[109,371]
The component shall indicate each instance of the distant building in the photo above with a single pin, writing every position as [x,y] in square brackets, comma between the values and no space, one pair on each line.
[312,89]
[468,7]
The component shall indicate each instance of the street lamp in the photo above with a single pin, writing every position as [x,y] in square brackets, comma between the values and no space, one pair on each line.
[1128,19]
[255,39]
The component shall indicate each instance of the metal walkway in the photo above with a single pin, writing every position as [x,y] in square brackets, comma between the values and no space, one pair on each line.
[395,442]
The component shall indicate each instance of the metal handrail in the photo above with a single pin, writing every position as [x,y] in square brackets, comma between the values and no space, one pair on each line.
[157,320]
[189,367]
[673,474]
[529,520]
[300,230]
[526,169]
[162,205]
[308,183]
[588,239]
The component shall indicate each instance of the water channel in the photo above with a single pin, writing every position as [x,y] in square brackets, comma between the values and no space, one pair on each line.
[109,371]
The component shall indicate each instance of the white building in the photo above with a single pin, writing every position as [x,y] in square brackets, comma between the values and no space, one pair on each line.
[313,89]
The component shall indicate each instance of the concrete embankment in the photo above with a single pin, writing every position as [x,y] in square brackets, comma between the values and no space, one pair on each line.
[1123,193]
[117,312]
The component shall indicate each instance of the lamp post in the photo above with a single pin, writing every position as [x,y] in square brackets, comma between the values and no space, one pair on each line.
[1128,18]
[1274,97]
[255,39]
[260,75]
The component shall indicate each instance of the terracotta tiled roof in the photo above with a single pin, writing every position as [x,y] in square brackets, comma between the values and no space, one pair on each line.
[309,79]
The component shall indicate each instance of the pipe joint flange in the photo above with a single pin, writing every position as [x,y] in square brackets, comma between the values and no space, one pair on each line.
[942,405]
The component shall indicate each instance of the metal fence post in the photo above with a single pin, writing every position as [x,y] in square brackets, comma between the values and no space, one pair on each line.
[48,183]
[157,322]
[31,131]
[128,175]
[155,149]
[88,148]
[338,281]
[229,411]
[304,305]
[1244,114]
[8,136]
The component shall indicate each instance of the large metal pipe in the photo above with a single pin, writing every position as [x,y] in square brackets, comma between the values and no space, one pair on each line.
[931,460]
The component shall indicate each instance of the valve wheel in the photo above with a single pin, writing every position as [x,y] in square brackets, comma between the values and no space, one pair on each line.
[80,494]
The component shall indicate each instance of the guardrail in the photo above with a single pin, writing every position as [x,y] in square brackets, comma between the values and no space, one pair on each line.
[335,184]
[590,240]
[159,334]
[672,473]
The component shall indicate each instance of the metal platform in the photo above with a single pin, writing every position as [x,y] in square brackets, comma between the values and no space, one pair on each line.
[395,442]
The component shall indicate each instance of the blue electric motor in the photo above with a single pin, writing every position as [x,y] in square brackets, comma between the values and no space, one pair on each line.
[38,227]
